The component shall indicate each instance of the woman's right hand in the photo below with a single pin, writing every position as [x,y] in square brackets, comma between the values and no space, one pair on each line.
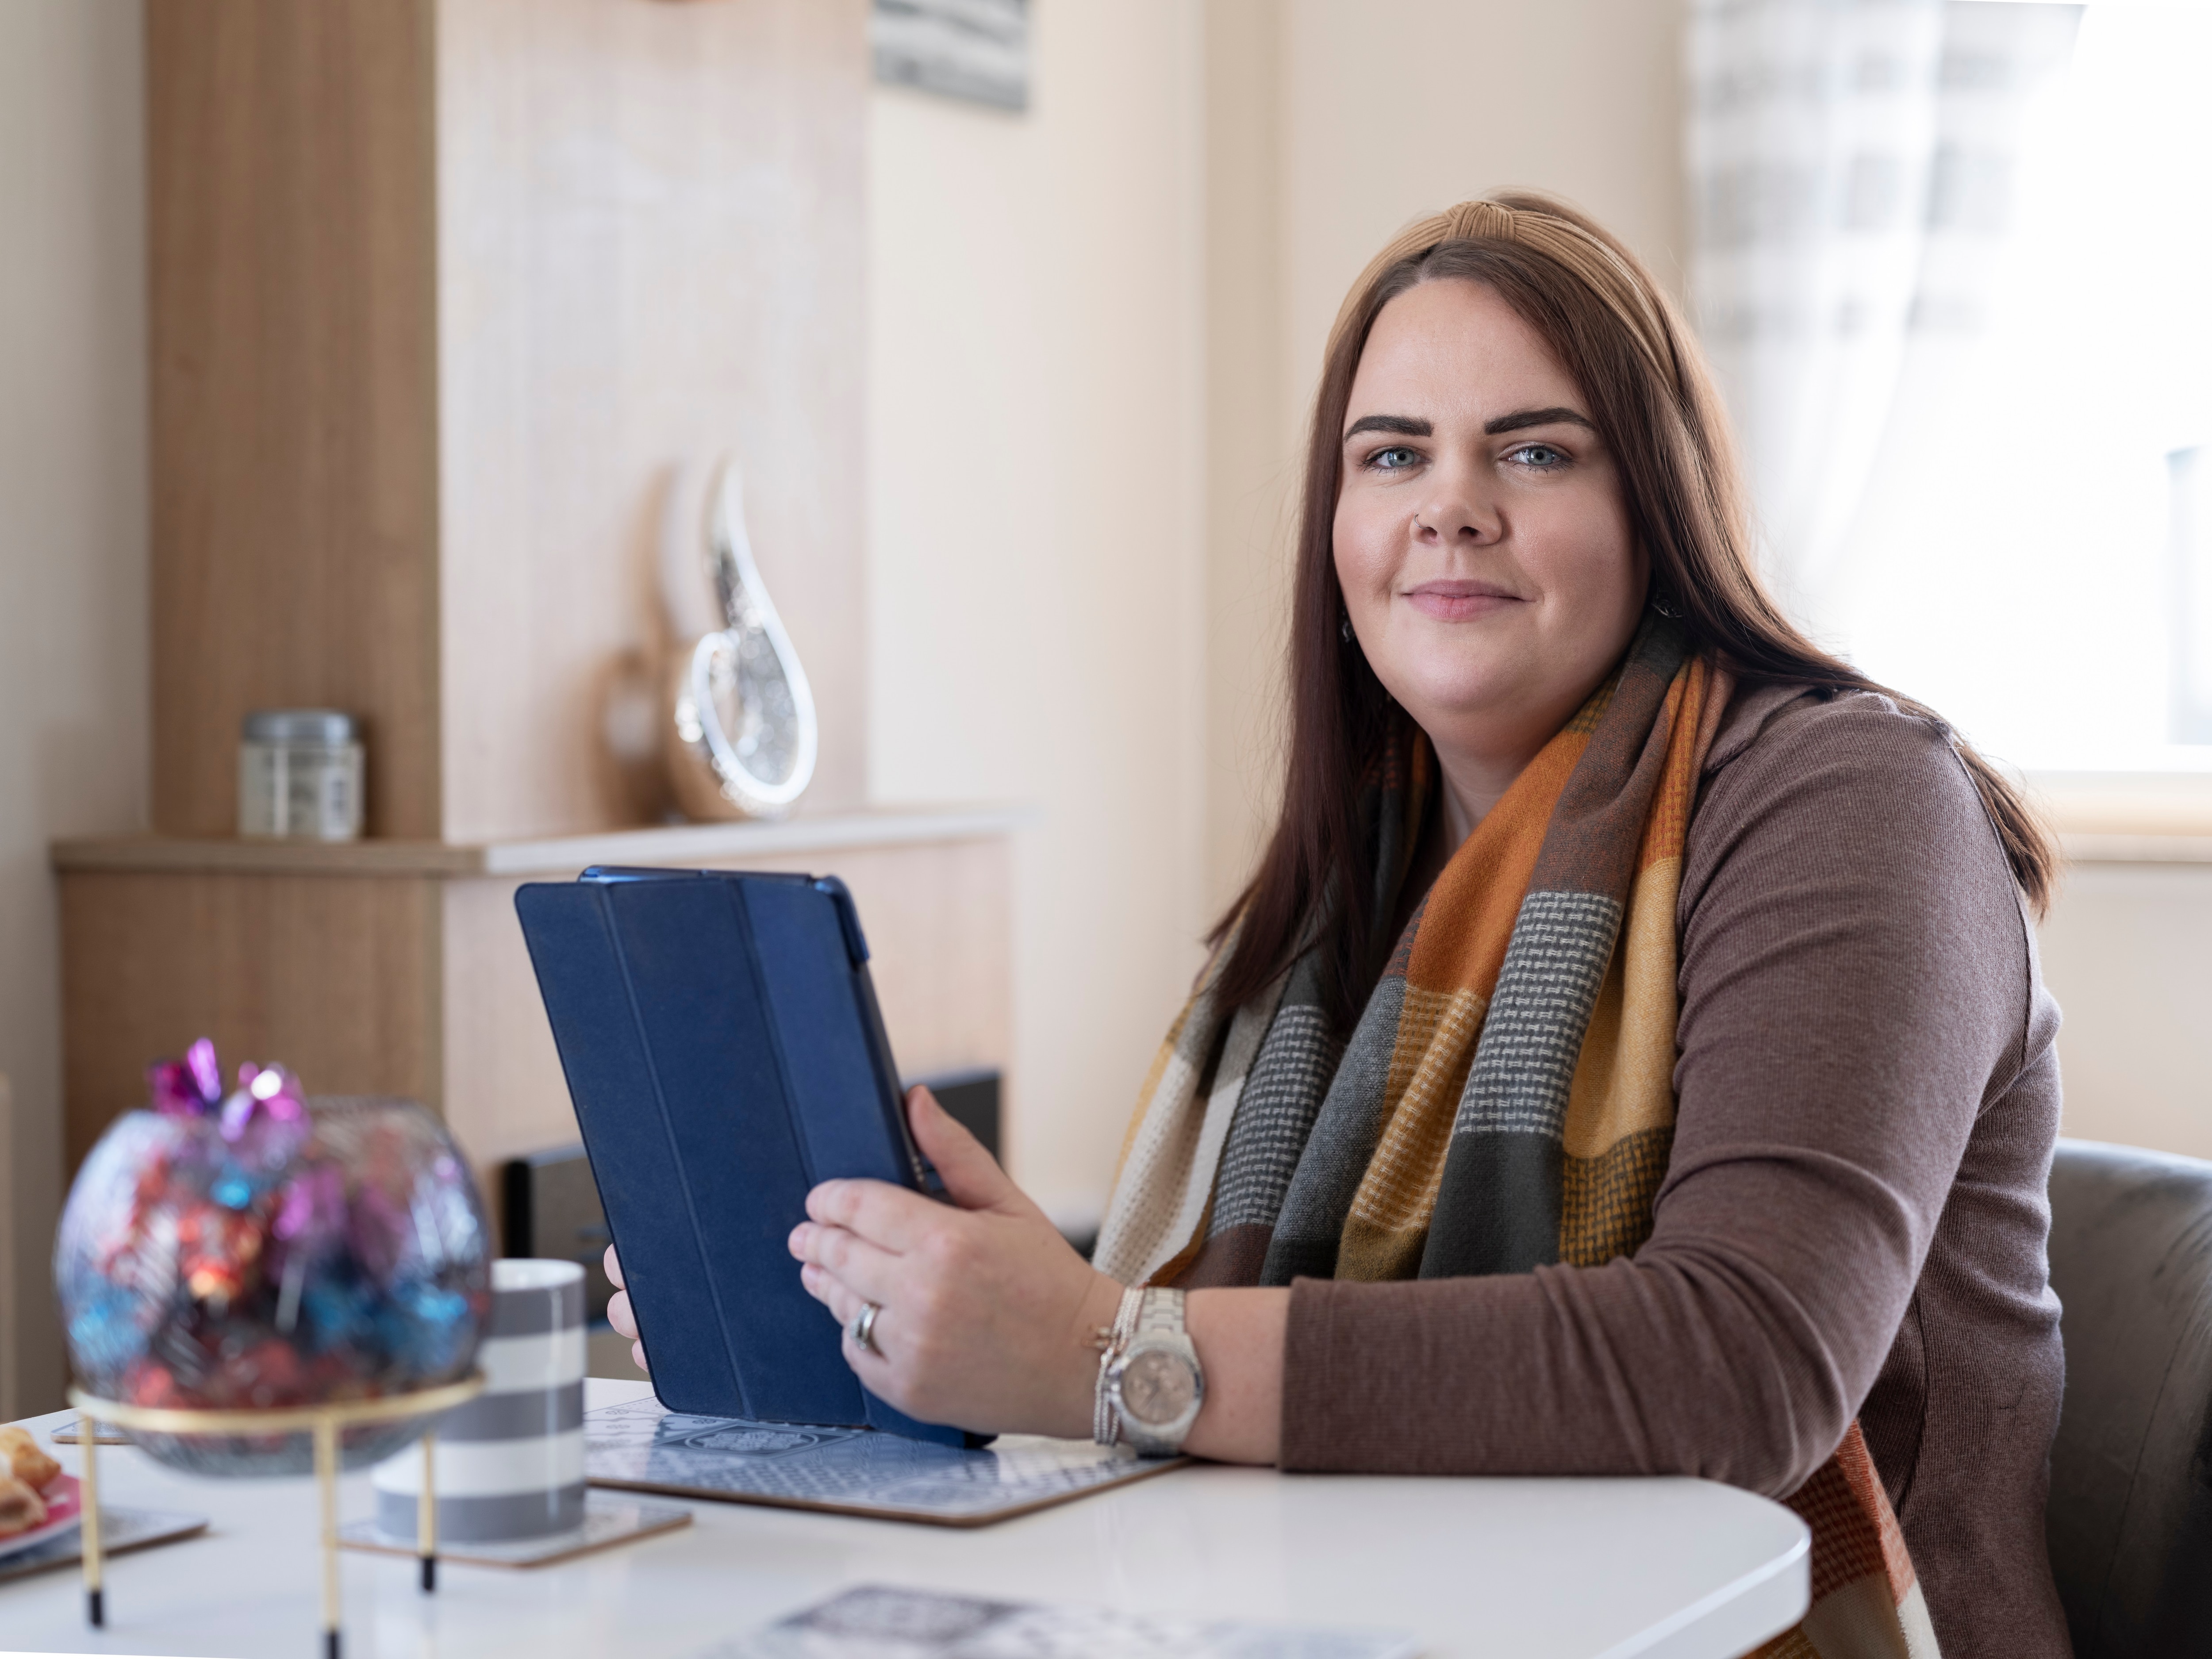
[618,1310]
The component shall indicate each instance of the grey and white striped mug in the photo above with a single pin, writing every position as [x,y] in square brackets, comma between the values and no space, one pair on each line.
[510,1463]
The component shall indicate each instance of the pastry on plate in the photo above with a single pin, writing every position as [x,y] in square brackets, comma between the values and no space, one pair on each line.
[26,1459]
[20,1508]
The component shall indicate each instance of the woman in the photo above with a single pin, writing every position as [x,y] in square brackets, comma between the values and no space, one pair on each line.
[1629,1057]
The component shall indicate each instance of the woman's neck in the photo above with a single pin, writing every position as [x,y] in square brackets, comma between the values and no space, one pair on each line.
[1473,784]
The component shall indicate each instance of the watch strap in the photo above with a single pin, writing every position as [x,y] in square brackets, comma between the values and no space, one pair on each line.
[1105,1423]
[1159,1310]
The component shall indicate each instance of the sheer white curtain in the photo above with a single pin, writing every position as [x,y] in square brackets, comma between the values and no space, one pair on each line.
[1851,167]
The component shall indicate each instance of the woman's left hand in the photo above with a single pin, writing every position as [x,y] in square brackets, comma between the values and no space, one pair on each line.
[988,1313]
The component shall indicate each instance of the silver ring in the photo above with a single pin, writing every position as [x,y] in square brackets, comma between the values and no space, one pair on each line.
[862,1330]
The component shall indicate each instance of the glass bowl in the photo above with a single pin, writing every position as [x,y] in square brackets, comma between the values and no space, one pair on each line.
[273,1258]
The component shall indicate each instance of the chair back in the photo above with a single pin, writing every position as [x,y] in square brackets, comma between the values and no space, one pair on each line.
[2130,1521]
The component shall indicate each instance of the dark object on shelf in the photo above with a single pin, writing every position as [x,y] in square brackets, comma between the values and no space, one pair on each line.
[552,1212]
[972,1098]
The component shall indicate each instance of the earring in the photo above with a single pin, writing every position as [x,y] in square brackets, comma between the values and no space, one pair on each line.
[1344,626]
[1665,609]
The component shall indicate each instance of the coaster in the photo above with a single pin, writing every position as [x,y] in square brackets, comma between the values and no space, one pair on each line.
[120,1532]
[103,1434]
[610,1518]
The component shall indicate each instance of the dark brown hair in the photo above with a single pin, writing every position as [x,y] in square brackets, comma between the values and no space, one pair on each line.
[1619,338]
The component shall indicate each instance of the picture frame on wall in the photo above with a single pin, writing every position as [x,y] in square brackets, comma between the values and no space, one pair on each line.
[974,49]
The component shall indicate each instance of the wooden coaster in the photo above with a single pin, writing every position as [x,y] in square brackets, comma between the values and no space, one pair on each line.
[610,1518]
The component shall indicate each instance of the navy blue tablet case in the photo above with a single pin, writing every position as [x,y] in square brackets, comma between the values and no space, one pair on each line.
[721,1042]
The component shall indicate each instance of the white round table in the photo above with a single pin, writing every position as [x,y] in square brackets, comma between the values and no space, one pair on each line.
[1565,1568]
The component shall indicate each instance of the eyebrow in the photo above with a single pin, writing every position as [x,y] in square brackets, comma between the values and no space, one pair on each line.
[1406,426]
[1525,417]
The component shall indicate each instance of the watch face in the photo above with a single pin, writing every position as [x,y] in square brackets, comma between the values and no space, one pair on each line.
[1158,1386]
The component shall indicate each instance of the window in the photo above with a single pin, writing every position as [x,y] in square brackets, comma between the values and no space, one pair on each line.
[2032,554]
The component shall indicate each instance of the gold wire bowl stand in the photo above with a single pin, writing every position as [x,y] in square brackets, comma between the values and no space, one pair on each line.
[324,1422]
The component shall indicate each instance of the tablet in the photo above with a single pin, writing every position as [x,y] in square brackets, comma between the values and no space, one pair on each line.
[722,1042]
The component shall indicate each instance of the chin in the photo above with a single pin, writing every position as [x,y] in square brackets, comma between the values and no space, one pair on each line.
[1455,697]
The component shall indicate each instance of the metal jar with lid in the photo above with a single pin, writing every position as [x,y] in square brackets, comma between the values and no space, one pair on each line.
[299,776]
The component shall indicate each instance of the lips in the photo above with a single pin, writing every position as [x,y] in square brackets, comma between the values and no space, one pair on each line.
[1460,600]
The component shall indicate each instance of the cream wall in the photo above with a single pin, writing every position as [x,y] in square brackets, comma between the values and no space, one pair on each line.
[1035,502]
[2127,951]
[72,568]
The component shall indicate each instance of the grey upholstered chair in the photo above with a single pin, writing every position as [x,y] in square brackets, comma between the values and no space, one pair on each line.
[2129,1524]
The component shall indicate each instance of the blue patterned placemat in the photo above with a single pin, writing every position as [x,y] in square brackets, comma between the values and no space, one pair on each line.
[643,1446]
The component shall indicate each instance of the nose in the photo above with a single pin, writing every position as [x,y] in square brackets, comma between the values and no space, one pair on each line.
[1456,513]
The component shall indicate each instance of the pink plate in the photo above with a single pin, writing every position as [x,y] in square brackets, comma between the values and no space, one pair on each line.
[65,1510]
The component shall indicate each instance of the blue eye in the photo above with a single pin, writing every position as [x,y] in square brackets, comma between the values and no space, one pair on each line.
[1395,458]
[1539,455]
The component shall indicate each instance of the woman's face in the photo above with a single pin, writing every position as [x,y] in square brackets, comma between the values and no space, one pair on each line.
[1481,541]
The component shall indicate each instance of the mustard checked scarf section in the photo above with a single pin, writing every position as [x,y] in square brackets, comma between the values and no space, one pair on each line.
[1506,1099]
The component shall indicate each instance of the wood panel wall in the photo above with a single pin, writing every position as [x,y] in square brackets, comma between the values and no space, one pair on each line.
[338,977]
[292,295]
[650,241]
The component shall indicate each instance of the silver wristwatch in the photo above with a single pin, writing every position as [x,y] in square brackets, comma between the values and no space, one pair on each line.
[1151,1379]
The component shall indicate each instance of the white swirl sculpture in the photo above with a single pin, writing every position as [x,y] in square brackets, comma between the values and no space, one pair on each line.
[742,735]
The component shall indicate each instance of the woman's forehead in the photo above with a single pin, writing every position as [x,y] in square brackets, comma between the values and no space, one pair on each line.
[1459,350]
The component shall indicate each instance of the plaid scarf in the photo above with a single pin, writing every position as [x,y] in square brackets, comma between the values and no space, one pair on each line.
[1506,1099]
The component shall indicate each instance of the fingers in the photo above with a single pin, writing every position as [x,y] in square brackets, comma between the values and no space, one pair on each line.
[868,1270]
[840,1298]
[871,1364]
[614,1268]
[891,1218]
[970,1173]
[621,1314]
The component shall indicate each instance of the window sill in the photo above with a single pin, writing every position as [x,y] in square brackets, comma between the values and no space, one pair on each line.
[2127,817]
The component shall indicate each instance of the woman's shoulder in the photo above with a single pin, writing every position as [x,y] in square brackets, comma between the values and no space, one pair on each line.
[1801,784]
[1838,846]
[1780,726]
[1801,750]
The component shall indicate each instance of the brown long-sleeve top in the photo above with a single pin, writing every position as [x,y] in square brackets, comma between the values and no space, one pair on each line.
[1854,1219]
